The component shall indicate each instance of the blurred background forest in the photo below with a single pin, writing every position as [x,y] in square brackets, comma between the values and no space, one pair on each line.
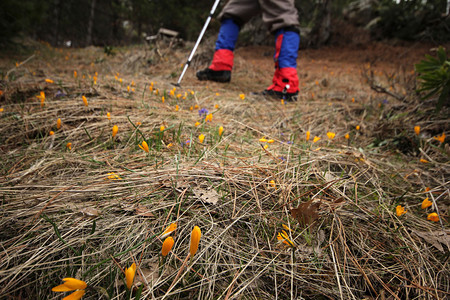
[83,23]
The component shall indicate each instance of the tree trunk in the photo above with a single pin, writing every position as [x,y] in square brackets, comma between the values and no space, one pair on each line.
[90,24]
[57,13]
[115,21]
[320,33]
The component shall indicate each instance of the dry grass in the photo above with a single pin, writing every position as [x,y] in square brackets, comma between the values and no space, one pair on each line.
[63,217]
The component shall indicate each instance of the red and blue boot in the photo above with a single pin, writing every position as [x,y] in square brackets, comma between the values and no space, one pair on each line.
[222,63]
[285,80]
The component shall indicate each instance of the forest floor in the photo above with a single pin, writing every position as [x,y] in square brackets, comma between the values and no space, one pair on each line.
[295,200]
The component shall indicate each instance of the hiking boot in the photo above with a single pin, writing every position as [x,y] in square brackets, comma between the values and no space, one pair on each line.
[280,95]
[219,76]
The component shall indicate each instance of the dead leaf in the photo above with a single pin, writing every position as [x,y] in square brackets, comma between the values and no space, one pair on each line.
[330,177]
[330,205]
[145,274]
[306,213]
[144,212]
[435,238]
[320,237]
[207,196]
[149,273]
[178,185]
[90,212]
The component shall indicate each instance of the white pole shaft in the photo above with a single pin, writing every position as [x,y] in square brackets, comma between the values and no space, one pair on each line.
[213,9]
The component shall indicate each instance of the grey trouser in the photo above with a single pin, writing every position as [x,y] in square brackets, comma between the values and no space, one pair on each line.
[275,13]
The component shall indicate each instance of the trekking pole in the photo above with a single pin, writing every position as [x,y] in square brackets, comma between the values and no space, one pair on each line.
[213,9]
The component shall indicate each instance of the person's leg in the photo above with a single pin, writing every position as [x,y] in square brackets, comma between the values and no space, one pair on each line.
[222,63]
[278,14]
[282,18]
[234,15]
[285,79]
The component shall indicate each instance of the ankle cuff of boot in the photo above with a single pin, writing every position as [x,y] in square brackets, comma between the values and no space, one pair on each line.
[222,60]
[284,77]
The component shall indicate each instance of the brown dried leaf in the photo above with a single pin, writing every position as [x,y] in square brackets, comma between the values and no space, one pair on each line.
[90,212]
[306,213]
[144,212]
[207,196]
[435,238]
[149,273]
[179,185]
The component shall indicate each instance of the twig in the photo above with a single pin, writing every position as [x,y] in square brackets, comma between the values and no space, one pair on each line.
[46,205]
[178,275]
[230,287]
[336,271]
[21,64]
[437,209]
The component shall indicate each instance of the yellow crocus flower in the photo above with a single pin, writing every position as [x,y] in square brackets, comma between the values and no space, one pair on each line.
[171,228]
[115,129]
[113,176]
[331,135]
[167,246]
[284,238]
[144,146]
[71,284]
[195,240]
[84,100]
[129,275]
[426,203]
[440,138]
[201,138]
[433,217]
[400,210]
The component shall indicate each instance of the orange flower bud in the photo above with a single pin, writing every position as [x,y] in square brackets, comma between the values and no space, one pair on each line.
[201,138]
[195,240]
[434,217]
[129,275]
[167,246]
[400,210]
[84,100]
[144,146]
[115,129]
